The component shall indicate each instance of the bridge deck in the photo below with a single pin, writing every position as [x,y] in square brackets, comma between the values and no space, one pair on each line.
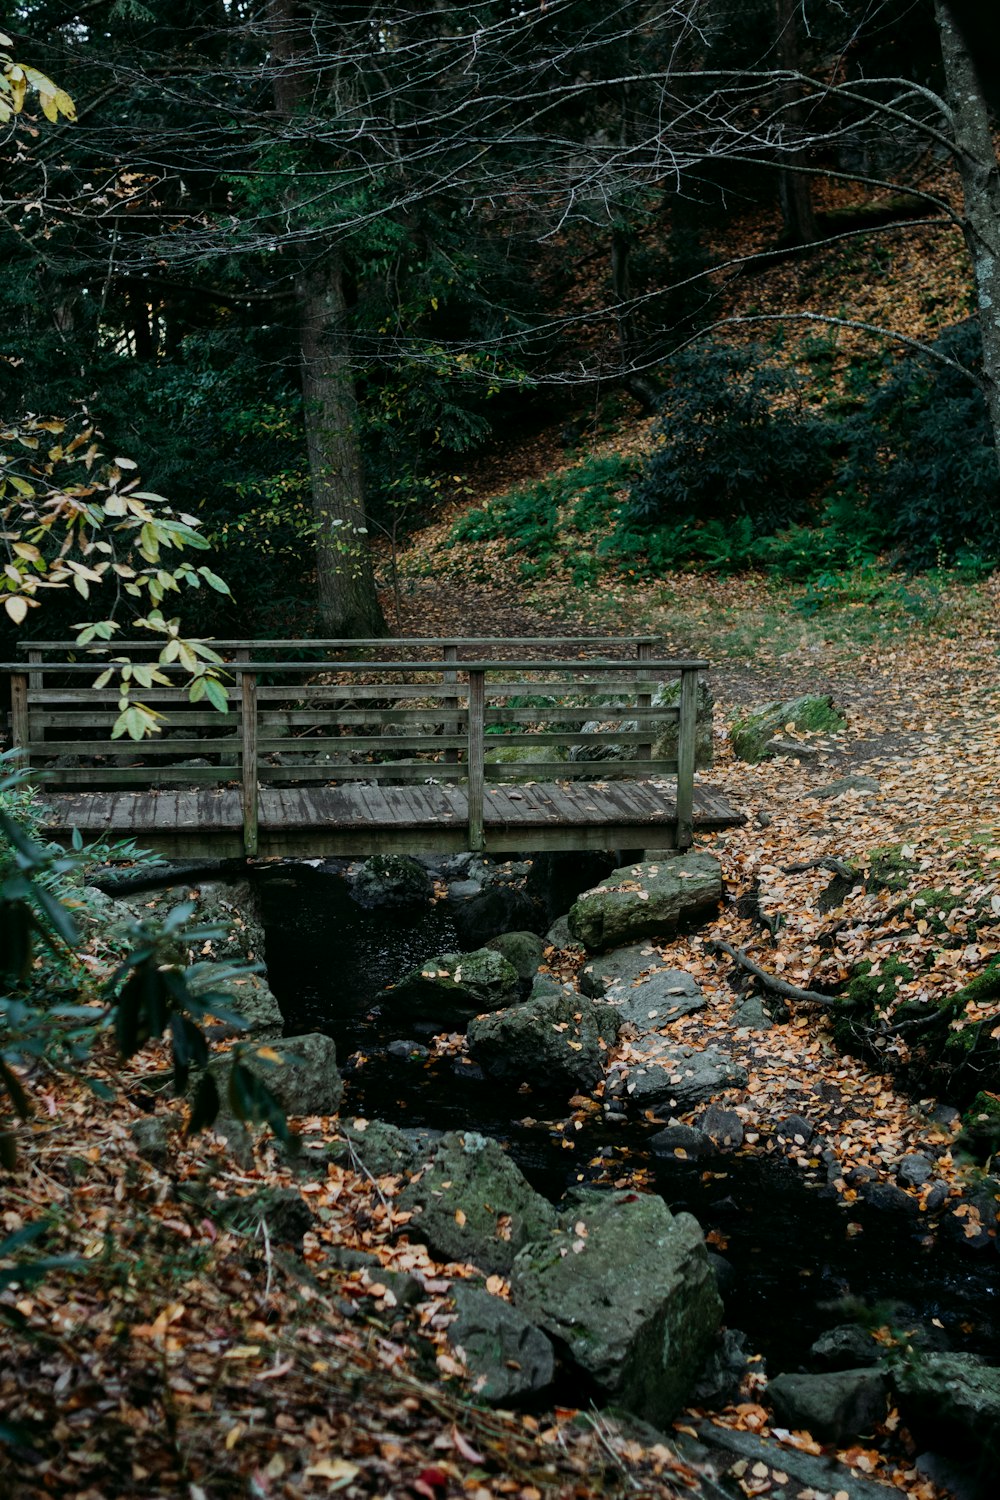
[357,820]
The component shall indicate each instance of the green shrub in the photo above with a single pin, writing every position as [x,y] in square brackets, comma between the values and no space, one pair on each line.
[733,450]
[921,471]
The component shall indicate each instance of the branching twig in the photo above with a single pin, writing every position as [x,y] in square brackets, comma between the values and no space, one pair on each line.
[770,981]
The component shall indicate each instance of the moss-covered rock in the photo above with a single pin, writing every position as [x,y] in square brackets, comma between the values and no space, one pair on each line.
[650,899]
[393,880]
[522,950]
[455,986]
[751,735]
[558,1041]
[471,1203]
[626,1288]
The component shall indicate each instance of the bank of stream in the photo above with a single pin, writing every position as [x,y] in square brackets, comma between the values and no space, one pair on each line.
[798,1259]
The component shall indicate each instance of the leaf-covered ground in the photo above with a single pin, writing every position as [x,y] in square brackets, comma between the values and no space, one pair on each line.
[199,1359]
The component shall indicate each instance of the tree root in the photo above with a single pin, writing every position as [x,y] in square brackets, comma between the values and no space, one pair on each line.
[837,866]
[770,981]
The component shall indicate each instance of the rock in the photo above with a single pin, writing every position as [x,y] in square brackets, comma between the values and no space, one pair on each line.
[283,1210]
[797,749]
[152,1137]
[471,1203]
[845,1348]
[835,1406]
[646,900]
[723,1126]
[462,890]
[554,1041]
[937,1196]
[888,1198]
[915,1169]
[307,1083]
[456,986]
[496,909]
[392,880]
[522,950]
[683,1142]
[247,996]
[377,1147]
[559,934]
[752,1014]
[951,1401]
[412,1051]
[803,1473]
[751,736]
[625,1287]
[723,1371]
[646,993]
[679,1077]
[507,1357]
[794,1131]
[844,784]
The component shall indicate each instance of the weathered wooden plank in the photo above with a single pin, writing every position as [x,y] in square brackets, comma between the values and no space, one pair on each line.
[686,749]
[19,722]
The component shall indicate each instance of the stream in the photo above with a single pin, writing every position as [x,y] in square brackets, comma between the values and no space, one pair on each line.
[797,1268]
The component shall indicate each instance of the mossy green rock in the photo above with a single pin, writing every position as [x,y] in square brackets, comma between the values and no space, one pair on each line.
[522,950]
[646,900]
[952,1399]
[626,1288]
[458,985]
[556,1041]
[751,736]
[471,1203]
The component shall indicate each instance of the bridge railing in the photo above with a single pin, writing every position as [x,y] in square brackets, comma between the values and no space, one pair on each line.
[396,721]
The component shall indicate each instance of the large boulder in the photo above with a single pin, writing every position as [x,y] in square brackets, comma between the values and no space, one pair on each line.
[455,986]
[307,1081]
[393,880]
[471,1203]
[644,990]
[508,1358]
[247,996]
[663,1074]
[752,736]
[625,1287]
[646,900]
[951,1400]
[522,950]
[556,1041]
[835,1406]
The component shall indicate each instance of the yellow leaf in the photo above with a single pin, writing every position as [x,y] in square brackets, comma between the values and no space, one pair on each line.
[337,1470]
[233,1436]
[16,607]
[459,1218]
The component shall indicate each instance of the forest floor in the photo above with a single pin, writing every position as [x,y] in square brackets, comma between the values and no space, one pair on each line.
[184,1357]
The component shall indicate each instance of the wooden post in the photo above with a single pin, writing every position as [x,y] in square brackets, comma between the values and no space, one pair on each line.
[450,726]
[687,730]
[19,723]
[476,766]
[644,652]
[35,678]
[249,756]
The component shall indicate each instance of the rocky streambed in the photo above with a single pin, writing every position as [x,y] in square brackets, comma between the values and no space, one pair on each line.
[513,1047]
[559,1016]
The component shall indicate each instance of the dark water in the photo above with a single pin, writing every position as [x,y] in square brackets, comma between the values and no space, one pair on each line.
[799,1268]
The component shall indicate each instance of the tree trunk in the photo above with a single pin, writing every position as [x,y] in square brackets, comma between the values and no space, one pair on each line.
[793,187]
[980,174]
[347,597]
[348,602]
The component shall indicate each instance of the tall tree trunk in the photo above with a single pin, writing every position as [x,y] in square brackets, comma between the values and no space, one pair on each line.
[980,174]
[348,602]
[347,597]
[793,187]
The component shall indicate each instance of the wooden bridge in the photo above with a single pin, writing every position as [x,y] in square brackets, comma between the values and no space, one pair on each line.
[358,747]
